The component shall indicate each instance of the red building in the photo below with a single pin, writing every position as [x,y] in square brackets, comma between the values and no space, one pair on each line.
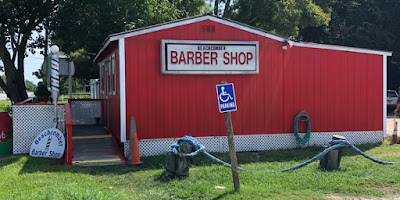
[165,76]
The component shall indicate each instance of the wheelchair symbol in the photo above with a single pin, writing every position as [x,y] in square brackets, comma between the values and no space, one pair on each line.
[224,96]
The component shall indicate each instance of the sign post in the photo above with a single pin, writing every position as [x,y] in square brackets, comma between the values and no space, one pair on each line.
[226,104]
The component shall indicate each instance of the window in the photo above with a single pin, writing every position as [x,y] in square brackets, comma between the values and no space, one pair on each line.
[106,78]
[114,79]
[102,83]
[109,77]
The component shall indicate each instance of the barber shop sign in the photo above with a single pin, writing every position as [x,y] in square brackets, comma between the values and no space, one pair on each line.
[209,57]
[50,143]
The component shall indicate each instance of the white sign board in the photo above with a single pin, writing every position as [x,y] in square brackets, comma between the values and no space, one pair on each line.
[209,57]
[50,143]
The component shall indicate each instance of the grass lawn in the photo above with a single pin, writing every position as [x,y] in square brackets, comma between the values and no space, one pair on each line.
[4,104]
[23,177]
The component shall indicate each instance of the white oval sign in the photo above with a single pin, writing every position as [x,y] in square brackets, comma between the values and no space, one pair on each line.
[50,143]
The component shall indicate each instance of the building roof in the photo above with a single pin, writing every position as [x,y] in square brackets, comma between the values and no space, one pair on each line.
[238,25]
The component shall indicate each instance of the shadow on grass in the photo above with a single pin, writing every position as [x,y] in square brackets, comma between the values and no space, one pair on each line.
[33,165]
[8,159]
[164,178]
[223,195]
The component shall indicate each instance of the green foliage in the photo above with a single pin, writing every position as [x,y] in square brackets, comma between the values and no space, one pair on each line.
[364,23]
[18,18]
[187,8]
[369,24]
[5,105]
[8,109]
[42,90]
[80,27]
[30,86]
[282,17]
[85,68]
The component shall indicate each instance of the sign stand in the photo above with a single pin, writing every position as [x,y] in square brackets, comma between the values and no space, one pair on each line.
[229,130]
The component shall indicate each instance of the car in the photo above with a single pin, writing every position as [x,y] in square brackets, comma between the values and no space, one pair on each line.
[392,97]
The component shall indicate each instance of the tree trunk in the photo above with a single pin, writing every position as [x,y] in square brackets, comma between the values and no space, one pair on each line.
[15,88]
[216,3]
[226,10]
[15,82]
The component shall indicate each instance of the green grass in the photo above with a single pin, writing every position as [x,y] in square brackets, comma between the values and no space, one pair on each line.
[24,177]
[4,104]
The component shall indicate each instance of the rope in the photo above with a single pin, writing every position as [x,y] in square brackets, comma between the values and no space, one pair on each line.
[302,140]
[197,147]
[335,144]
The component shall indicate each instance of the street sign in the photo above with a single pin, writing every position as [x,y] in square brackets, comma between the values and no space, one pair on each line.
[226,98]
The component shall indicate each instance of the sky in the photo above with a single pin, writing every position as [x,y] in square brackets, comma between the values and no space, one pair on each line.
[32,64]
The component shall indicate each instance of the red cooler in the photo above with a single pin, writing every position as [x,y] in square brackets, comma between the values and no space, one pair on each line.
[5,133]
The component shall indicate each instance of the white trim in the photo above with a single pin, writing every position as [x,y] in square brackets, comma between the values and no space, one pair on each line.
[245,28]
[122,88]
[341,48]
[384,94]
[113,74]
[194,20]
[238,26]
[260,142]
[109,84]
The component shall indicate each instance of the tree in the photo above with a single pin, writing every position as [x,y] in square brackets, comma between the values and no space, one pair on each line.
[369,24]
[226,12]
[30,86]
[187,8]
[18,18]
[364,23]
[80,27]
[281,17]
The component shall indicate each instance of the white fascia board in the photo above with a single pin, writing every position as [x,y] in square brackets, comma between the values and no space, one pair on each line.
[122,88]
[199,19]
[341,48]
[102,49]
[384,94]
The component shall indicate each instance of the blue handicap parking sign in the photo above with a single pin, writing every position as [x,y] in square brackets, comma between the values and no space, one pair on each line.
[226,98]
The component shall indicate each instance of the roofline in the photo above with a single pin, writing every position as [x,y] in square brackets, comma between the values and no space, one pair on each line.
[245,27]
[341,48]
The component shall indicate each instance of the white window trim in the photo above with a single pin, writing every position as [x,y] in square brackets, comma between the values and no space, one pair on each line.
[109,76]
[102,78]
[114,78]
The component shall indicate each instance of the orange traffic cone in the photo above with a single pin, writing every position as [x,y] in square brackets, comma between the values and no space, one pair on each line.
[135,151]
[134,145]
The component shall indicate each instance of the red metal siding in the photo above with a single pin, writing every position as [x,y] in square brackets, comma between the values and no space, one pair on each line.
[341,91]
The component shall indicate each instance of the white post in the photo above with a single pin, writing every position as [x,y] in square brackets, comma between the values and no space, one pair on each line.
[55,79]
[69,79]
